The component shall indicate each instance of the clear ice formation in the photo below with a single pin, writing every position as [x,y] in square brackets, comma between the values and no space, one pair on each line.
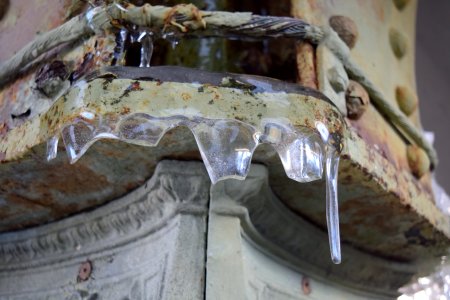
[146,40]
[332,210]
[226,147]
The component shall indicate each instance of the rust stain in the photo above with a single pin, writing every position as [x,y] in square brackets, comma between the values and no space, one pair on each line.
[306,286]
[85,271]
[187,155]
[306,65]
[191,15]
[186,96]
[3,129]
[377,137]
[378,8]
[23,201]
[87,65]
[58,179]
[125,110]
[135,86]
[67,178]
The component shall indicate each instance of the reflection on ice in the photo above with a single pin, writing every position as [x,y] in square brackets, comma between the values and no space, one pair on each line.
[142,129]
[80,135]
[52,148]
[226,147]
[76,137]
[332,211]
[146,40]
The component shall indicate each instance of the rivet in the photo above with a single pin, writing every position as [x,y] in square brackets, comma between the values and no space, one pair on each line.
[306,286]
[345,28]
[85,271]
[418,160]
[356,99]
[400,4]
[398,43]
[406,100]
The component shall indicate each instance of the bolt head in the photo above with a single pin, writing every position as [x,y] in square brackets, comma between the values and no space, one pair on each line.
[306,286]
[345,28]
[356,99]
[406,100]
[418,160]
[84,273]
[398,42]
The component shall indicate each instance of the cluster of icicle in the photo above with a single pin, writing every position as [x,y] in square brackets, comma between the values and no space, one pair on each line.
[226,146]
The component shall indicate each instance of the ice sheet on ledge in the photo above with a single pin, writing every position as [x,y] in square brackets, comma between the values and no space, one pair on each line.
[226,147]
[229,115]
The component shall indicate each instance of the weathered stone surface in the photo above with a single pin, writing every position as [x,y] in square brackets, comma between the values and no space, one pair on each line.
[270,227]
[155,243]
[139,247]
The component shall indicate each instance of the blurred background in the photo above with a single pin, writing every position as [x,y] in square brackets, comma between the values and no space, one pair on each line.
[433,78]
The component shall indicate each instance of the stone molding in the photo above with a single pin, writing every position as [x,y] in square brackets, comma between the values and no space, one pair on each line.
[175,187]
[170,210]
[275,230]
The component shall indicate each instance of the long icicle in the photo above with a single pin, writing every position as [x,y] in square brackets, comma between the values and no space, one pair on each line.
[332,209]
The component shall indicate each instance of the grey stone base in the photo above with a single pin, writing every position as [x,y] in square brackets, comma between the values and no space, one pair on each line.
[178,237]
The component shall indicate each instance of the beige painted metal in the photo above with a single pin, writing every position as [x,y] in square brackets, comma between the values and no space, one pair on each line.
[105,97]
[373,51]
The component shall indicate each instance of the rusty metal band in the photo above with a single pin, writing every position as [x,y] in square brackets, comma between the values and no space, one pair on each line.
[187,20]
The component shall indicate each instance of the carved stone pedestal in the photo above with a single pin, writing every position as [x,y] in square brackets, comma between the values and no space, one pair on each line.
[178,237]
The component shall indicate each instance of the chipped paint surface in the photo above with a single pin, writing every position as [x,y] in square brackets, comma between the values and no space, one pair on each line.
[165,99]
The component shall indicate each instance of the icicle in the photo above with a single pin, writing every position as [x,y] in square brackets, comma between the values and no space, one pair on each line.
[332,211]
[323,131]
[300,152]
[83,132]
[52,148]
[77,138]
[172,38]
[226,147]
[143,130]
[146,40]
[134,34]
[119,50]
[331,175]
